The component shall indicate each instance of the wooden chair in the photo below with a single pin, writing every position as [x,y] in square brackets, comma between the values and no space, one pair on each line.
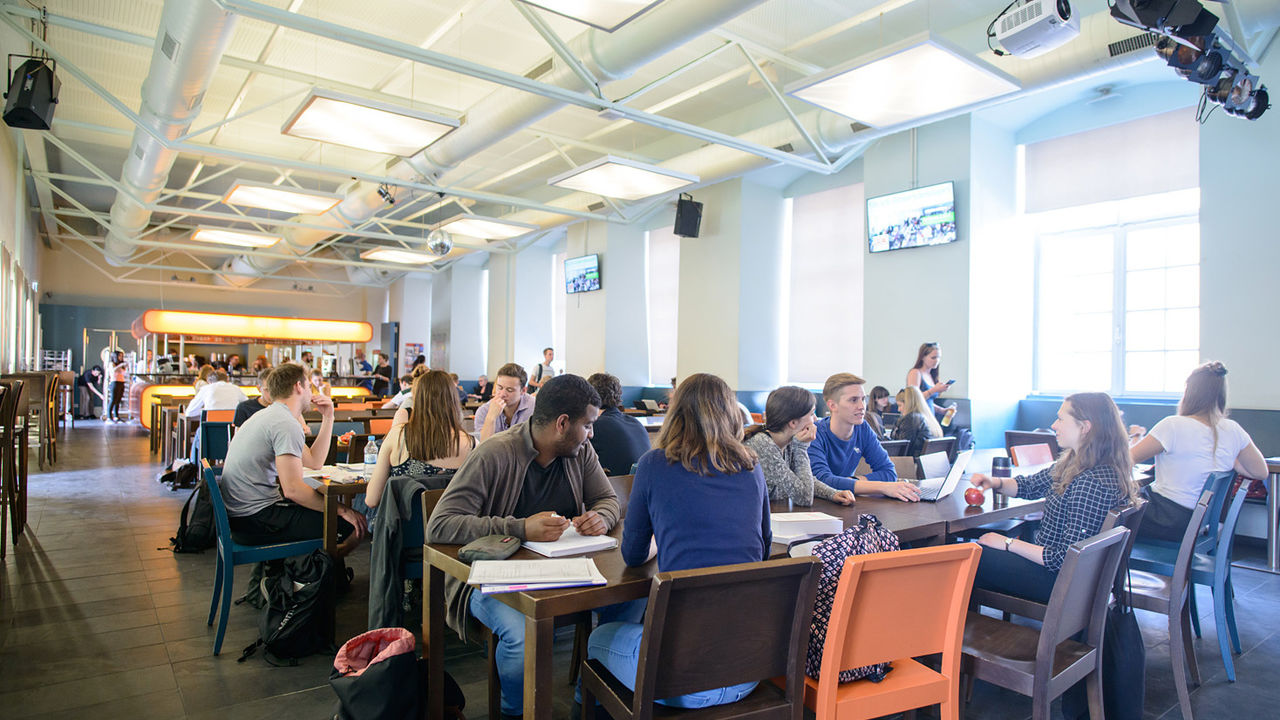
[340,407]
[1013,438]
[928,585]
[1044,663]
[1028,455]
[352,452]
[942,444]
[1169,596]
[895,448]
[711,628]
[232,553]
[378,426]
[13,462]
[622,488]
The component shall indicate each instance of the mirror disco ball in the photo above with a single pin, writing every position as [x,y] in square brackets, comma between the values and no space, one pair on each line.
[439,242]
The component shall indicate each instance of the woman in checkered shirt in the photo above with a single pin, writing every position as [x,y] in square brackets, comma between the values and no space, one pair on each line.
[1091,476]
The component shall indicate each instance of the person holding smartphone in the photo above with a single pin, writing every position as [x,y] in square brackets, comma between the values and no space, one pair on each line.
[925,375]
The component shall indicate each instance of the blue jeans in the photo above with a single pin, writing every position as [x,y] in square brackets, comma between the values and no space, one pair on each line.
[508,624]
[617,646]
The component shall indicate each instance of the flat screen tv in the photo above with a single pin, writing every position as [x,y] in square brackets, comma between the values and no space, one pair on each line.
[582,274]
[913,218]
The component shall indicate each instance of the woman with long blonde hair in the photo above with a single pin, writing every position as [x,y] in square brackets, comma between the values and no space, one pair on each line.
[1200,439]
[1092,476]
[916,423]
[699,497]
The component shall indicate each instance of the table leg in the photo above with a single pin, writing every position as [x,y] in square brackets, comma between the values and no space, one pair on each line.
[539,636]
[433,629]
[330,522]
[1273,514]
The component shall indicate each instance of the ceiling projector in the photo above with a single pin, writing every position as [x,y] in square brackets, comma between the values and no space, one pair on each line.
[1030,28]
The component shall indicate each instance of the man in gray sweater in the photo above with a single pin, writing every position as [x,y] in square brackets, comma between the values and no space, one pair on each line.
[531,481]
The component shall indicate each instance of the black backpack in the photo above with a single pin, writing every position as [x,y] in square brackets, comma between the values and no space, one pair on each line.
[298,619]
[181,477]
[196,529]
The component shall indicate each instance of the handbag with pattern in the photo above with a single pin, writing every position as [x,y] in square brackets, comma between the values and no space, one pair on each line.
[867,536]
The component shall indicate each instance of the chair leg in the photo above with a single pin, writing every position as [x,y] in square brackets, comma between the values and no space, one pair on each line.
[1195,614]
[495,684]
[1229,599]
[1180,637]
[588,704]
[217,590]
[581,631]
[1220,622]
[1093,688]
[228,581]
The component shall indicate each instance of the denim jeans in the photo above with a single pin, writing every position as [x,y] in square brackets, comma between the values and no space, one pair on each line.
[617,646]
[508,624]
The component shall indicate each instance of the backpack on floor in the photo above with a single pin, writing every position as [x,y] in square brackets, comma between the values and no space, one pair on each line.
[196,529]
[867,536]
[182,477]
[377,675]
[298,619]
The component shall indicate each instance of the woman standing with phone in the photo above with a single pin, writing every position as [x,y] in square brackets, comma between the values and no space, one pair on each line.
[924,375]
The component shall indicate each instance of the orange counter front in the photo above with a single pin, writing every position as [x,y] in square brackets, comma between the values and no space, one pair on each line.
[143,396]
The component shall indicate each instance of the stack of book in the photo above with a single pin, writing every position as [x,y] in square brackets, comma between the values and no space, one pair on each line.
[502,576]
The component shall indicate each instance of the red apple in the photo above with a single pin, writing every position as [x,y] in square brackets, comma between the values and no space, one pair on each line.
[974,496]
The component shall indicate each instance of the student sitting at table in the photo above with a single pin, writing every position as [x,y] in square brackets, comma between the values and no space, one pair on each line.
[618,438]
[510,405]
[842,439]
[203,377]
[250,407]
[1199,440]
[483,391]
[782,445]
[406,387]
[271,444]
[699,498]
[430,443]
[1091,476]
[916,424]
[878,403]
[532,481]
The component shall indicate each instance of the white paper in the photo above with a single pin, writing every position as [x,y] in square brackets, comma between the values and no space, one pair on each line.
[572,543]
[500,572]
[597,579]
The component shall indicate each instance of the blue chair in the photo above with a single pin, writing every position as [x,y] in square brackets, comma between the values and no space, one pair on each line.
[1210,563]
[215,438]
[232,553]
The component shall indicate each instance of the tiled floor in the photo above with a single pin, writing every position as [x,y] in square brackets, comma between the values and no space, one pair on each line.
[99,620]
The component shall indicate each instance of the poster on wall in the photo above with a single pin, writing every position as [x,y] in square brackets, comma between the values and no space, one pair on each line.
[411,352]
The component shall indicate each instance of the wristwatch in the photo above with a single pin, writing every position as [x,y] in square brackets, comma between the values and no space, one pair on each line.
[1007,542]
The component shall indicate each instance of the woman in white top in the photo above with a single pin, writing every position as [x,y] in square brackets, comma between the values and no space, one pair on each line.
[1199,440]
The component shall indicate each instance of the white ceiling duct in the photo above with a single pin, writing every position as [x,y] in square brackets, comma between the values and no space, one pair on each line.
[193,35]
[507,110]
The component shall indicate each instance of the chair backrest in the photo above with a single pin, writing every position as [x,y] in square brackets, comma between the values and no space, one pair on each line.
[1032,437]
[622,488]
[348,406]
[1227,535]
[430,498]
[714,627]
[942,444]
[1218,483]
[1079,598]
[378,426]
[1129,516]
[215,438]
[929,585]
[908,468]
[340,427]
[211,477]
[217,415]
[1026,455]
[1180,579]
[11,405]
[895,448]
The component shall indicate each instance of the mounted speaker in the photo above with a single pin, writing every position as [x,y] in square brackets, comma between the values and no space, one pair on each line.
[688,216]
[32,96]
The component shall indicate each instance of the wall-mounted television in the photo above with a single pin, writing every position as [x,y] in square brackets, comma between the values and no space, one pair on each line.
[913,218]
[582,274]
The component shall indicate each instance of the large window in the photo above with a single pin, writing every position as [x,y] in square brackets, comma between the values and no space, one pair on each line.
[662,285]
[823,284]
[1118,296]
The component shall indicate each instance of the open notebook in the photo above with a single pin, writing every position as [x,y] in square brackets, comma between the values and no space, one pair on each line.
[572,543]
[501,576]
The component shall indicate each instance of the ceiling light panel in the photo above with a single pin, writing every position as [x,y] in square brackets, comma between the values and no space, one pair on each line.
[239,238]
[914,79]
[607,15]
[401,257]
[486,228]
[246,193]
[623,179]
[331,117]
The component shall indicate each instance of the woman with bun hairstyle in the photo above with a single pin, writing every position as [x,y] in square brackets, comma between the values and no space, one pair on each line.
[1187,447]
[782,445]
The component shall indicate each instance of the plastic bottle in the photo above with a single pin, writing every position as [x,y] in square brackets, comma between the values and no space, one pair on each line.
[370,459]
[946,419]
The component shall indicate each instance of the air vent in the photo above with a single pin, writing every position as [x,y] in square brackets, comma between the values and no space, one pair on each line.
[540,70]
[1128,45]
[785,147]
[169,46]
[595,207]
[138,153]
[1021,17]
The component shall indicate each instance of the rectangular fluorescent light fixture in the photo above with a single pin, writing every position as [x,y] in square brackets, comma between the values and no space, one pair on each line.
[402,257]
[917,78]
[486,228]
[623,179]
[220,325]
[277,197]
[370,125]
[607,15]
[239,238]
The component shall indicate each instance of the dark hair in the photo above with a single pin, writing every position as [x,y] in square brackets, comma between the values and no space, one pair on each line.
[1206,395]
[785,404]
[420,360]
[282,379]
[563,395]
[703,428]
[877,392]
[609,388]
[434,429]
[921,354]
[513,370]
[547,350]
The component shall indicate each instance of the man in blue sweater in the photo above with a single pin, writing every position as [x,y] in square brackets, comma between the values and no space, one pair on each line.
[843,439]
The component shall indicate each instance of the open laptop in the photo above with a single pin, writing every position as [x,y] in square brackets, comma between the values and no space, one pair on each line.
[651,405]
[936,486]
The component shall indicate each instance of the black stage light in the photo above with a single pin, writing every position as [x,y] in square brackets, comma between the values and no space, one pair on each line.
[32,96]
[688,216]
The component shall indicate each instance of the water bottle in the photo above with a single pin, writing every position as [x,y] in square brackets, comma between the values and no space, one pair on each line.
[370,459]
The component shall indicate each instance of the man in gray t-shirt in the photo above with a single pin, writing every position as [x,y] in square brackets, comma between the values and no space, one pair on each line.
[272,445]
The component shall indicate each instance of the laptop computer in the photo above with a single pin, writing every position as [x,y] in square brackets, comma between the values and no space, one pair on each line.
[936,486]
[649,404]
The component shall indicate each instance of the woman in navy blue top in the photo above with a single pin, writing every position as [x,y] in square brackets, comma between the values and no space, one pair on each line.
[699,497]
[1092,476]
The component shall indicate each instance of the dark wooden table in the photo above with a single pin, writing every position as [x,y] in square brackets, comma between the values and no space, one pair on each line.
[335,493]
[911,521]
